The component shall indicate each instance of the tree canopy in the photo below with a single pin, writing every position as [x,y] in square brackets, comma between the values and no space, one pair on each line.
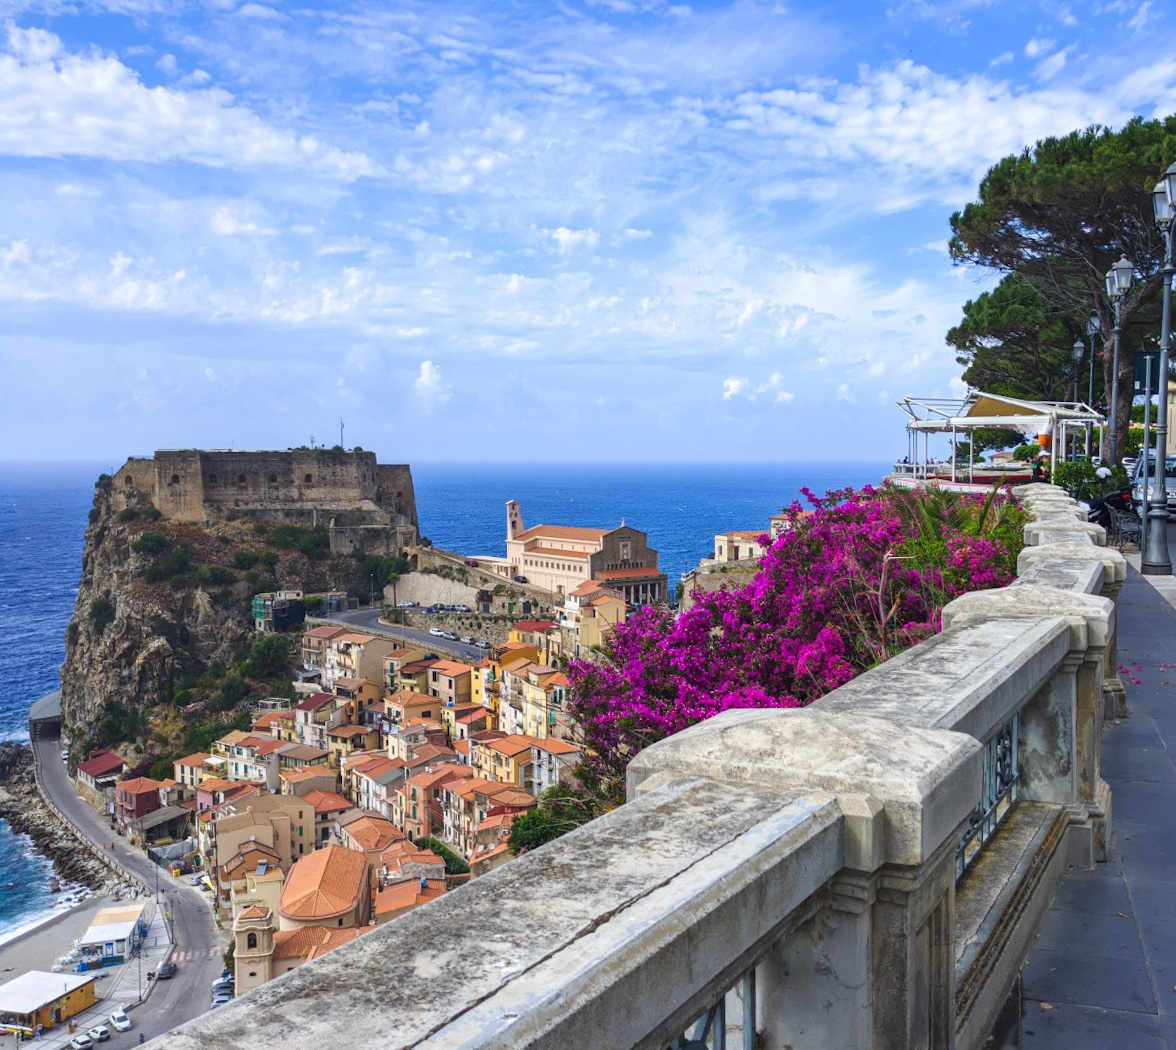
[1058,216]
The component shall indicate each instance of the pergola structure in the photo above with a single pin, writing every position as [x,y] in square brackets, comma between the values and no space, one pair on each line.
[1034,419]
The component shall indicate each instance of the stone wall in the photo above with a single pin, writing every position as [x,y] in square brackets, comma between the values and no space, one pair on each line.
[798,868]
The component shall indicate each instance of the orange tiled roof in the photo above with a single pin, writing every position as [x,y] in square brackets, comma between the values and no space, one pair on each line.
[408,894]
[326,801]
[197,758]
[556,747]
[253,912]
[310,942]
[512,745]
[294,775]
[451,668]
[323,632]
[138,786]
[563,532]
[324,884]
[374,833]
[534,626]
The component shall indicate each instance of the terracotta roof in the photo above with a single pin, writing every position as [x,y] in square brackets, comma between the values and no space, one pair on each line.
[586,588]
[374,833]
[473,715]
[310,942]
[488,734]
[326,801]
[315,701]
[563,532]
[410,697]
[607,599]
[302,751]
[512,745]
[354,638]
[253,912]
[138,786]
[294,775]
[350,731]
[324,884]
[451,667]
[509,795]
[629,574]
[556,747]
[534,626]
[429,752]
[481,853]
[270,717]
[417,666]
[354,683]
[499,820]
[197,758]
[559,552]
[408,894]
[323,632]
[462,747]
[744,534]
[101,763]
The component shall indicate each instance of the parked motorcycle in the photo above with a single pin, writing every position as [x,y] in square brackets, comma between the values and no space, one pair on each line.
[1101,506]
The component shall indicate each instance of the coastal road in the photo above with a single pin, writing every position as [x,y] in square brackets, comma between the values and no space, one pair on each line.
[199,945]
[369,620]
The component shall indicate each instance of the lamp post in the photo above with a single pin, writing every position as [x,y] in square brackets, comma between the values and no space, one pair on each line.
[1076,352]
[1155,560]
[1118,281]
[1092,327]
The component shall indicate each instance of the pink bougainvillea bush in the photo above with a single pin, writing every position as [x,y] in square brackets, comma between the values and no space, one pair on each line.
[863,576]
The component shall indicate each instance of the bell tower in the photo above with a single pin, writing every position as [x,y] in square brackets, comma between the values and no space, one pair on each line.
[253,948]
[514,519]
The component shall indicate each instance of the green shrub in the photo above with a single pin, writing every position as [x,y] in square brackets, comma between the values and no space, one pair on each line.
[71,633]
[102,613]
[179,561]
[269,657]
[130,514]
[245,559]
[104,481]
[151,513]
[311,542]
[269,559]
[214,576]
[454,865]
[153,543]
[94,515]
[1026,453]
[163,767]
[312,603]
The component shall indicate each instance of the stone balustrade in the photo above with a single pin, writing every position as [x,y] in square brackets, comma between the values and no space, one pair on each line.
[879,861]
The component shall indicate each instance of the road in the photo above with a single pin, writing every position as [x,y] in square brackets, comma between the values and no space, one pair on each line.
[369,620]
[199,945]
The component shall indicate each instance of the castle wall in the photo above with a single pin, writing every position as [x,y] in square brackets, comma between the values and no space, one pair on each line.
[304,486]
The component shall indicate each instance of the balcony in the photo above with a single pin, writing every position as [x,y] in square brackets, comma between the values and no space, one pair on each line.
[866,872]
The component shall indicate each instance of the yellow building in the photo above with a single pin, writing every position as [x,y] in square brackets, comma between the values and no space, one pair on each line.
[46,999]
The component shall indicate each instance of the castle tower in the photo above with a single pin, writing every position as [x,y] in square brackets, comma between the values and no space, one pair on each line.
[514,519]
[253,948]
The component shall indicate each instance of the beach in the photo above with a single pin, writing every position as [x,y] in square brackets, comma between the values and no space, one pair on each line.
[39,948]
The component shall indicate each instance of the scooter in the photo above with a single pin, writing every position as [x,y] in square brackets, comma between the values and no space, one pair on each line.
[1101,506]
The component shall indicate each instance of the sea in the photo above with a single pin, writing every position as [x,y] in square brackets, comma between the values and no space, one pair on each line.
[461,507]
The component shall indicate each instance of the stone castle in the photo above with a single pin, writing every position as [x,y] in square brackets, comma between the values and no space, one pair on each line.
[365,505]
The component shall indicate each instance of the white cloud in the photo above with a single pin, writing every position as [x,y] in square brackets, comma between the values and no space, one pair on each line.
[60,104]
[568,240]
[429,387]
[845,394]
[733,385]
[1038,46]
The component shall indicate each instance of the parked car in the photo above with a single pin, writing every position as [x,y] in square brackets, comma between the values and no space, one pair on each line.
[165,971]
[450,636]
[521,579]
[81,1041]
[433,609]
[220,998]
[407,605]
[120,1021]
[436,632]
[461,608]
[224,984]
[466,640]
[483,645]
[65,754]
[99,1033]
[196,878]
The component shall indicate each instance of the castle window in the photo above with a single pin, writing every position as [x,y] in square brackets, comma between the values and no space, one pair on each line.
[175,479]
[273,479]
[130,480]
[212,479]
[308,479]
[252,941]
[240,479]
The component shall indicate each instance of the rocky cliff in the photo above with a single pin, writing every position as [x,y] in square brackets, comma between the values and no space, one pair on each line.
[160,602]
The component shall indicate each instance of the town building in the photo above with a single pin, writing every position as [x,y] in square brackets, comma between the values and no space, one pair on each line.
[134,799]
[38,999]
[402,897]
[330,887]
[262,952]
[559,558]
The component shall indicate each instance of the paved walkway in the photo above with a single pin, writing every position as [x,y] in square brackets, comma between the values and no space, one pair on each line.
[1103,970]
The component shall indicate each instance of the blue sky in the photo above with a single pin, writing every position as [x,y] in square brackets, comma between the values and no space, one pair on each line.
[595,229]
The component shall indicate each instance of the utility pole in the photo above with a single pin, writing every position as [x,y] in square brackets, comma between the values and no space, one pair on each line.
[340,431]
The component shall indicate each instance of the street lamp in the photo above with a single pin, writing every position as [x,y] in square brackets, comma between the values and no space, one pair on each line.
[1118,281]
[1155,560]
[1093,325]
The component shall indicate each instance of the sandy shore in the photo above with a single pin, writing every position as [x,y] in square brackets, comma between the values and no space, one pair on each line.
[38,949]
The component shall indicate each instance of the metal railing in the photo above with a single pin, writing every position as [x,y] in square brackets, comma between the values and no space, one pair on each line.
[709,1032]
[1001,772]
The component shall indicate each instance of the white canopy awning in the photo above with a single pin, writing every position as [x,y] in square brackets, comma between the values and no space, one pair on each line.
[980,409]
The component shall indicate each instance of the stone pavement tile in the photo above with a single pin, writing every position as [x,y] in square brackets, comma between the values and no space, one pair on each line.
[1090,980]
[1145,802]
[1154,896]
[1115,936]
[1099,891]
[1159,937]
[1137,839]
[1070,1027]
